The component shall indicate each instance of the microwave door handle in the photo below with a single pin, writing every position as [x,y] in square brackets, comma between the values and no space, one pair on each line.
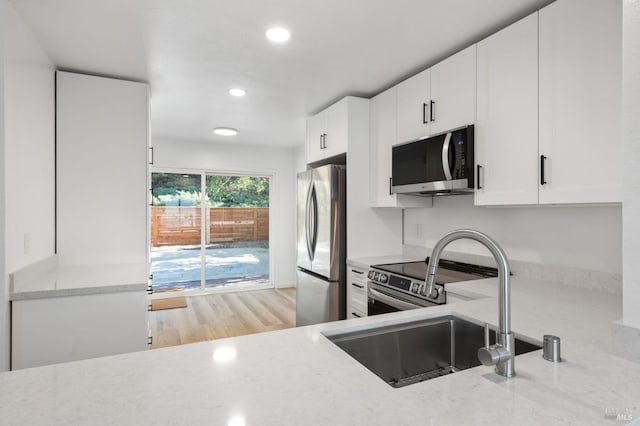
[446,147]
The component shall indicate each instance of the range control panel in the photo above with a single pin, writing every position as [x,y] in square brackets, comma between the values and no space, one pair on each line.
[406,285]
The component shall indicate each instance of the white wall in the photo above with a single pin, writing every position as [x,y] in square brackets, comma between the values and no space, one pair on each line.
[631,135]
[575,236]
[300,159]
[30,144]
[29,193]
[4,299]
[279,161]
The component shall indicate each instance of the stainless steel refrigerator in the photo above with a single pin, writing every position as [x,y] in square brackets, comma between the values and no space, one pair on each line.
[321,231]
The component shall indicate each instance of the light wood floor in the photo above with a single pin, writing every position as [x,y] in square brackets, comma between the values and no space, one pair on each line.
[224,315]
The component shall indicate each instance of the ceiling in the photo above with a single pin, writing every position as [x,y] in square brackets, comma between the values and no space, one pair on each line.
[192,51]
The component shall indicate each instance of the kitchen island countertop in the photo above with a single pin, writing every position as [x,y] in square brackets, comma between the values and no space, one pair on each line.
[297,376]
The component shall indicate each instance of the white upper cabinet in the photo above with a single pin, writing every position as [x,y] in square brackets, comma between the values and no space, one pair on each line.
[506,131]
[382,110]
[101,174]
[316,129]
[438,99]
[338,129]
[413,102]
[580,101]
[327,132]
[453,92]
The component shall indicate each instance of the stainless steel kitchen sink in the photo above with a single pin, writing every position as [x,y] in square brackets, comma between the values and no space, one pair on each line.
[407,353]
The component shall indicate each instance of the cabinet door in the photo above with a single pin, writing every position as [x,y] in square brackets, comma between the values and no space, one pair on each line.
[337,129]
[507,116]
[101,153]
[413,107]
[580,101]
[453,91]
[63,329]
[356,292]
[383,137]
[316,128]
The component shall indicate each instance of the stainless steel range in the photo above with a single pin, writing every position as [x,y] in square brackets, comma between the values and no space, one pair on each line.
[401,286]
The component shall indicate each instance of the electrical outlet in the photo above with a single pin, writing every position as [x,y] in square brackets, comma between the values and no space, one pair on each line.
[27,243]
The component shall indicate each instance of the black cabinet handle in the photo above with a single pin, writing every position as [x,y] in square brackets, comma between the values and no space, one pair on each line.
[424,114]
[357,285]
[478,168]
[355,315]
[542,161]
[433,104]
[321,137]
[151,149]
[357,272]
[390,183]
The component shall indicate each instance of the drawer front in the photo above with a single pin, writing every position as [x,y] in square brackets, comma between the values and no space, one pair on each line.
[356,313]
[359,305]
[356,292]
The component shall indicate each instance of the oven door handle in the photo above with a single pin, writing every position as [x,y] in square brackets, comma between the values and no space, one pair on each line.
[392,301]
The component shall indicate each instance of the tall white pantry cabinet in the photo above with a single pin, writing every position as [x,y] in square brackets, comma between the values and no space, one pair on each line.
[93,299]
[101,170]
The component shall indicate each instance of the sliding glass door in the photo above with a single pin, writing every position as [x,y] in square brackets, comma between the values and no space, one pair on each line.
[219,241]
[176,231]
[237,231]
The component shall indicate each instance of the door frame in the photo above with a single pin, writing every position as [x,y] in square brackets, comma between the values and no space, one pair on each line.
[271,174]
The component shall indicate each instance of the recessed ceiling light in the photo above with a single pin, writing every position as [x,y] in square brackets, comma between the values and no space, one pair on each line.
[225,131]
[237,92]
[277,34]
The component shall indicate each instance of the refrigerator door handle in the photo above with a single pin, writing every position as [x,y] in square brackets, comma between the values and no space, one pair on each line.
[307,223]
[313,231]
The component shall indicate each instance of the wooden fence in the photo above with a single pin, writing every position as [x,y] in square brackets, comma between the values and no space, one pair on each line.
[173,225]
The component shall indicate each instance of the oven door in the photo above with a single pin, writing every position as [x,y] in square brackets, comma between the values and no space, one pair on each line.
[382,300]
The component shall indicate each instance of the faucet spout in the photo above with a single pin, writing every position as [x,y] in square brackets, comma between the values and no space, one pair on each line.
[502,353]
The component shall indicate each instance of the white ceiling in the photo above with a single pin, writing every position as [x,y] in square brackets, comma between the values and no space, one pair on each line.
[192,51]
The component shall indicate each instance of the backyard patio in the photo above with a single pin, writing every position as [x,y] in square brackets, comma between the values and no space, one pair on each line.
[231,263]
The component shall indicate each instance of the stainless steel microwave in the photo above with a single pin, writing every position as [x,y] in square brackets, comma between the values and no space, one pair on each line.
[436,165]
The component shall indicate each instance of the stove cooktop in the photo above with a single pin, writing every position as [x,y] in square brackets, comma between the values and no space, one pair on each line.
[448,270]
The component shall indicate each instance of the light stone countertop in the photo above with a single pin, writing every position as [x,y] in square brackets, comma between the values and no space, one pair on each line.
[298,377]
[366,262]
[47,279]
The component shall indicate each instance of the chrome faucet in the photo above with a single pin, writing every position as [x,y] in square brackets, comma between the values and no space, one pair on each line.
[502,354]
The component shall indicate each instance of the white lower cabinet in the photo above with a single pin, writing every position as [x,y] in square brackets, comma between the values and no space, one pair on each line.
[61,329]
[356,292]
